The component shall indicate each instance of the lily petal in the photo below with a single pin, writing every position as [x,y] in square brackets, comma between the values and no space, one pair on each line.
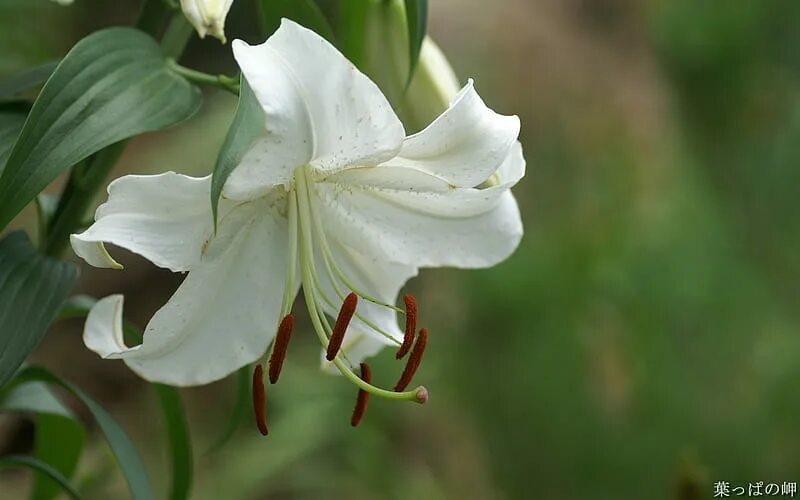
[319,108]
[466,228]
[378,279]
[465,145]
[165,218]
[223,315]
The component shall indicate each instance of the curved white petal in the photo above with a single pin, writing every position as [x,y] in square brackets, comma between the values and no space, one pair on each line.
[319,108]
[165,218]
[223,315]
[467,228]
[513,167]
[102,332]
[465,145]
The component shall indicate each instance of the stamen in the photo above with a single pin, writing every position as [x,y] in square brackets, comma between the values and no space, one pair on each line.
[411,325]
[363,397]
[340,327]
[279,349]
[413,361]
[260,400]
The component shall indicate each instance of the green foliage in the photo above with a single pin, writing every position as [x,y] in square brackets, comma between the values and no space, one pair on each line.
[304,12]
[44,468]
[34,76]
[34,287]
[112,85]
[127,456]
[59,435]
[417,20]
[59,443]
[10,125]
[247,124]
[180,445]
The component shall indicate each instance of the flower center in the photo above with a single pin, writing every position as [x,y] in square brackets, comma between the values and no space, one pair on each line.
[308,246]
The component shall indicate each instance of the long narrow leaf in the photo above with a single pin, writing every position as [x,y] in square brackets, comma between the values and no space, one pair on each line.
[43,468]
[113,85]
[417,17]
[32,288]
[180,444]
[128,457]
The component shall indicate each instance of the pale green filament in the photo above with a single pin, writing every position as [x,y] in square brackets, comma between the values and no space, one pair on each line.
[308,278]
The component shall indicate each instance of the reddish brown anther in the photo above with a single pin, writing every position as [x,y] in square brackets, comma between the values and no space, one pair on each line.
[413,361]
[340,327]
[411,326]
[363,397]
[279,350]
[260,400]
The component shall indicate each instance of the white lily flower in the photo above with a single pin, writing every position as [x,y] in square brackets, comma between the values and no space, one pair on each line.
[207,16]
[333,197]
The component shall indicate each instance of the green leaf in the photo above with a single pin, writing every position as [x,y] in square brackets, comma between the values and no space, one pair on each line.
[113,85]
[240,405]
[417,17]
[304,12]
[248,122]
[128,458]
[42,467]
[59,443]
[34,397]
[32,289]
[26,79]
[10,126]
[59,434]
[180,444]
[77,306]
[351,25]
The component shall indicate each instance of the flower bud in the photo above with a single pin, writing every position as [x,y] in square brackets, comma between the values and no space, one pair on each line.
[207,16]
[386,62]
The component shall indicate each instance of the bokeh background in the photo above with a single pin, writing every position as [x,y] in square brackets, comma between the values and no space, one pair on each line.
[643,342]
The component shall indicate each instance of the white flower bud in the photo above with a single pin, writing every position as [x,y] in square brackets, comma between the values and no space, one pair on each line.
[207,16]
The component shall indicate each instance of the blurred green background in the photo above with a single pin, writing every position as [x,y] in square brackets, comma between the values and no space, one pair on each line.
[643,341]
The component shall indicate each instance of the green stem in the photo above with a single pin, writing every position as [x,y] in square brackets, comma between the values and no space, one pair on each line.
[229,83]
[177,36]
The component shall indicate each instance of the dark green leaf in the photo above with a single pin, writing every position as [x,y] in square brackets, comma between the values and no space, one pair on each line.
[59,435]
[32,288]
[417,17]
[304,12]
[180,443]
[351,29]
[59,443]
[248,122]
[34,397]
[10,126]
[42,467]
[129,460]
[27,79]
[240,405]
[114,84]
[77,306]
